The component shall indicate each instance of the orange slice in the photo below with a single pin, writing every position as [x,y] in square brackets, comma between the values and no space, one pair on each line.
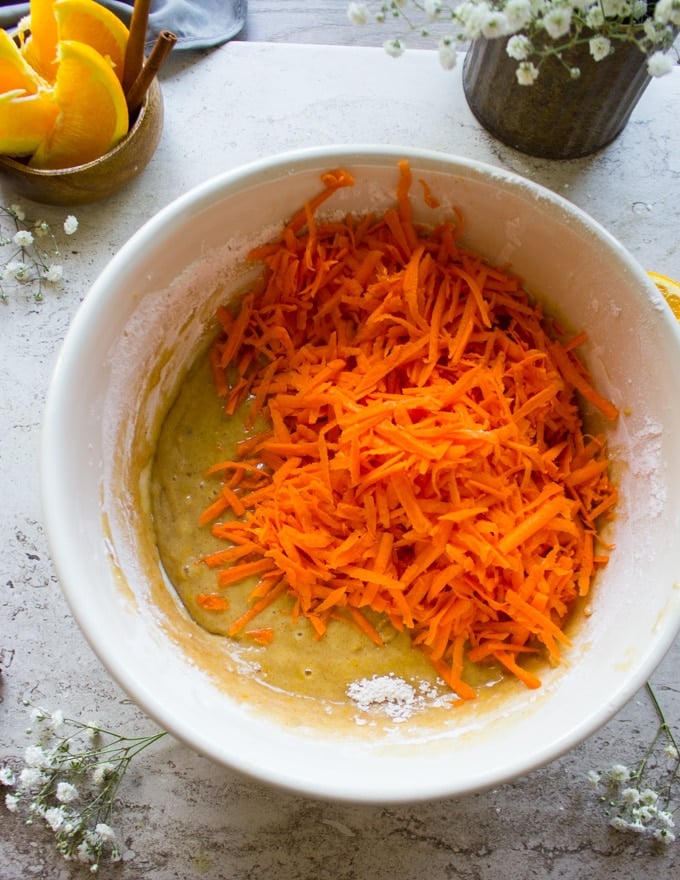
[88,22]
[15,71]
[25,121]
[93,115]
[40,48]
[670,289]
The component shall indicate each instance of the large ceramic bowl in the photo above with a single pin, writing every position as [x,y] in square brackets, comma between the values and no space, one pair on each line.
[126,351]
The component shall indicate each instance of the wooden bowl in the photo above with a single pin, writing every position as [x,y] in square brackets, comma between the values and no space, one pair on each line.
[100,178]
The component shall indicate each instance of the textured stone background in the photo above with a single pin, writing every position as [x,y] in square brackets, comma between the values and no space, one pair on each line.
[181,816]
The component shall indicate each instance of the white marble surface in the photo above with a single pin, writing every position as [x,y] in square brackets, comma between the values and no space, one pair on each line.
[181,816]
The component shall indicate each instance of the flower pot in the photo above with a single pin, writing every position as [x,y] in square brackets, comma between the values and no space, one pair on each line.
[556,117]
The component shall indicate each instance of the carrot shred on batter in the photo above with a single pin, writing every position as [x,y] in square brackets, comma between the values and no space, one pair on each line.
[425,457]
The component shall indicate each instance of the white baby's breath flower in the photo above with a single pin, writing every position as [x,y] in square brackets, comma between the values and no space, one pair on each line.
[66,793]
[630,796]
[105,832]
[619,773]
[18,212]
[54,274]
[38,715]
[557,21]
[23,238]
[663,835]
[57,718]
[432,9]
[517,14]
[595,17]
[41,228]
[394,47]
[31,778]
[659,64]
[670,752]
[447,53]
[55,818]
[358,13]
[518,47]
[7,776]
[594,777]
[495,25]
[70,224]
[35,756]
[12,802]
[600,47]
[102,772]
[526,73]
[667,12]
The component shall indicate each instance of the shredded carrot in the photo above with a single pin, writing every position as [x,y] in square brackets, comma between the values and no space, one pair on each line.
[425,457]
[212,601]
[264,636]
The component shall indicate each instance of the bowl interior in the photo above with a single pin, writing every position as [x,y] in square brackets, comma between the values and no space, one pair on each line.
[137,332]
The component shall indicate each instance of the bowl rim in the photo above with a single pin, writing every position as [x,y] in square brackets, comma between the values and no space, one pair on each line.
[192,201]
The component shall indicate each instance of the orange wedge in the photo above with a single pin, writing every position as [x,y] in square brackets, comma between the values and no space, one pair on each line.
[40,49]
[670,289]
[88,22]
[93,115]
[25,121]
[15,71]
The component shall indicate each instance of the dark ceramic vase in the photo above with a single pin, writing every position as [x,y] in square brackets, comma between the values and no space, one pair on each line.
[557,117]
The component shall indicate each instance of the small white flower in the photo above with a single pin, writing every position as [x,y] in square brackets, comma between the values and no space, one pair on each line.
[12,802]
[35,756]
[55,818]
[518,14]
[557,21]
[526,73]
[663,835]
[102,772]
[659,64]
[595,17]
[31,778]
[41,228]
[667,12]
[619,773]
[665,818]
[447,53]
[18,212]
[600,47]
[630,796]
[358,13]
[649,796]
[84,853]
[7,776]
[70,224]
[54,275]
[519,47]
[38,715]
[432,9]
[56,718]
[66,793]
[618,823]
[671,752]
[23,238]
[394,48]
[495,25]
[105,832]
[14,270]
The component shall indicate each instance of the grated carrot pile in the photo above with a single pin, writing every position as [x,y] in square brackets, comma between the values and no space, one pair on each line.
[425,457]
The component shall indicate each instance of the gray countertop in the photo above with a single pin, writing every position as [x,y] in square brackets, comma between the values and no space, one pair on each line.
[180,816]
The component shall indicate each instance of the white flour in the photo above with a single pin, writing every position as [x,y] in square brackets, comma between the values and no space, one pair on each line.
[395,697]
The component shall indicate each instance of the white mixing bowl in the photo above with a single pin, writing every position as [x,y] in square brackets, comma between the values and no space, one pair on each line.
[137,332]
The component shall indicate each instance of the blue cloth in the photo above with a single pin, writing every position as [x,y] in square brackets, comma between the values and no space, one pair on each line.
[198,24]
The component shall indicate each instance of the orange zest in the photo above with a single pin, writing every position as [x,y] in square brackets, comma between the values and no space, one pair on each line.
[426,458]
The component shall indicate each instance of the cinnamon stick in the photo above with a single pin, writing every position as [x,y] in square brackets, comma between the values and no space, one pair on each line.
[134,51]
[160,51]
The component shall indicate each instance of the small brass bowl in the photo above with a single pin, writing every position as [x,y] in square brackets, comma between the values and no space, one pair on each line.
[100,178]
